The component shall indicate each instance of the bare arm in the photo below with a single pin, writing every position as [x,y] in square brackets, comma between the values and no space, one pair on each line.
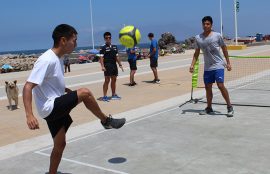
[195,58]
[102,63]
[119,63]
[226,55]
[153,52]
[32,122]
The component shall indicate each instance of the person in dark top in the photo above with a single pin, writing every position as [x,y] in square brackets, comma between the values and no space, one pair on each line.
[109,57]
[132,60]
[66,63]
[153,55]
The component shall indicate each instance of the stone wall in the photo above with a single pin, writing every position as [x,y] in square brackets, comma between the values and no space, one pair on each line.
[19,64]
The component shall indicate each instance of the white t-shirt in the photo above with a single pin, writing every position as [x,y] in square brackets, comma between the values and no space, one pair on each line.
[210,46]
[48,74]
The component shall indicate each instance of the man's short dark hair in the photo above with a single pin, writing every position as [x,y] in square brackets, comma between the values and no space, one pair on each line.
[63,30]
[107,34]
[207,18]
[151,35]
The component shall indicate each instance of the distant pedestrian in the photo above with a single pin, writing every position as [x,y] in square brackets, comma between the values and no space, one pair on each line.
[66,63]
[132,60]
[153,55]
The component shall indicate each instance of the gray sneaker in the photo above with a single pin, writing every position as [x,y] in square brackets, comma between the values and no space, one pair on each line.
[113,123]
[207,111]
[230,111]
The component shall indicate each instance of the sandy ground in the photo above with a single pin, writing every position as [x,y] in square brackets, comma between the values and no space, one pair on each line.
[174,82]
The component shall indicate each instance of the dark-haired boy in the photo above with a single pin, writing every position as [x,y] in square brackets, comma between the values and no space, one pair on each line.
[210,42]
[53,100]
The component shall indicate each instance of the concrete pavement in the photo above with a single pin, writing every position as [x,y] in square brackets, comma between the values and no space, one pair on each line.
[159,137]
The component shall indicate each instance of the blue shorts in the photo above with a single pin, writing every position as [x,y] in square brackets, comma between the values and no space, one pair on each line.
[213,76]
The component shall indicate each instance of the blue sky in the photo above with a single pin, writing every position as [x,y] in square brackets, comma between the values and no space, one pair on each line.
[28,24]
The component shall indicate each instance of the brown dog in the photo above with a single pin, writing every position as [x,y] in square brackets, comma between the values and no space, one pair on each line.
[12,93]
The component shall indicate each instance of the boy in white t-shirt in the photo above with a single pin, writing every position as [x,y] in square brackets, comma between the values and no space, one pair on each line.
[53,100]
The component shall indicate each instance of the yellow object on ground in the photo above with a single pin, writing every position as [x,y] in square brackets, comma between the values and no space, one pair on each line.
[236,47]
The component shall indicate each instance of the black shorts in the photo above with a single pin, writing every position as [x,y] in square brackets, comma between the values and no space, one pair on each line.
[153,62]
[111,70]
[132,64]
[59,117]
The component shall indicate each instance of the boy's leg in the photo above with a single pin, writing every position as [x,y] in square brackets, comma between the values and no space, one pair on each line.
[132,76]
[209,79]
[209,94]
[85,96]
[224,93]
[105,85]
[219,77]
[133,69]
[59,144]
[155,72]
[113,84]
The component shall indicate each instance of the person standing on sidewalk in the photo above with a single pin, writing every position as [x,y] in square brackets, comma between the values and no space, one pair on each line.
[66,63]
[153,55]
[108,59]
[210,43]
[54,101]
[132,60]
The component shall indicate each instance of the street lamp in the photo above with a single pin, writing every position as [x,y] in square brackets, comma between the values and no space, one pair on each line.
[221,22]
[92,28]
[236,9]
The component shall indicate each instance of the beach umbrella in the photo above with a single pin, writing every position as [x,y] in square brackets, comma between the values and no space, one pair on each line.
[7,66]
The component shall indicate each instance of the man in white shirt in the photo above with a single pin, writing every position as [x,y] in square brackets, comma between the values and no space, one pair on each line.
[53,100]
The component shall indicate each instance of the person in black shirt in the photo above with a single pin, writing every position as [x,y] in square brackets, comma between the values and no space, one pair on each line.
[109,57]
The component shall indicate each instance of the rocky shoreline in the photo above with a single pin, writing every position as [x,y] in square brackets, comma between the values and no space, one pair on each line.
[19,64]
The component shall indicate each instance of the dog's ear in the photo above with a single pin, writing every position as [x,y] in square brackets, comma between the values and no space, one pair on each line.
[6,82]
[15,81]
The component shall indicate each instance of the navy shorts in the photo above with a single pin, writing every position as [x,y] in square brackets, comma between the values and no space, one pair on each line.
[111,69]
[153,62]
[59,117]
[132,64]
[213,76]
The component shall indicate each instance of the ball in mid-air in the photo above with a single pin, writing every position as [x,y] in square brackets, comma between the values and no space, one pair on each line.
[129,36]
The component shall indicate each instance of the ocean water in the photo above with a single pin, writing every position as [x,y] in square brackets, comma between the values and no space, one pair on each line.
[39,51]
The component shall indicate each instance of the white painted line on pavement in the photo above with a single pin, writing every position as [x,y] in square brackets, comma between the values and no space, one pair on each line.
[97,133]
[119,77]
[33,144]
[101,72]
[85,164]
[125,76]
[100,132]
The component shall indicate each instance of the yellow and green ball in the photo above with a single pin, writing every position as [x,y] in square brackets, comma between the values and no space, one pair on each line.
[129,36]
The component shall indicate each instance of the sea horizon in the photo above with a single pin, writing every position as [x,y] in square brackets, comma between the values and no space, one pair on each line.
[40,51]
